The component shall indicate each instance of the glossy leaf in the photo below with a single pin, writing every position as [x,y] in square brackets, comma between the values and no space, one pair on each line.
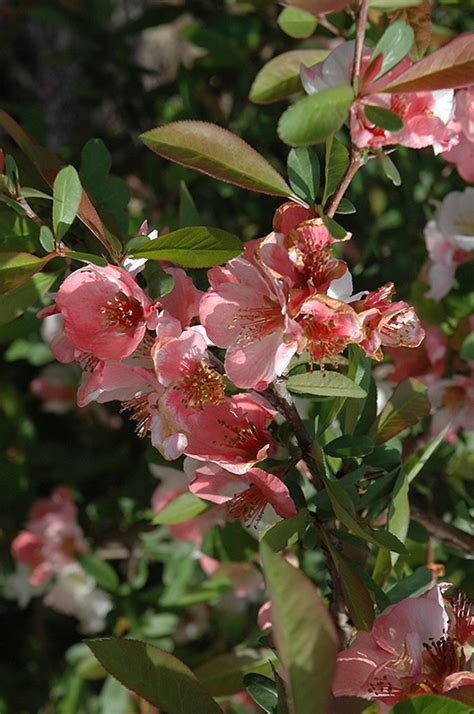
[394,45]
[198,247]
[408,404]
[287,531]
[217,152]
[315,117]
[188,214]
[224,675]
[303,173]
[335,166]
[430,704]
[383,118]
[17,268]
[412,585]
[46,239]
[450,66]
[182,508]
[67,193]
[335,229]
[156,676]
[346,207]
[392,5]
[280,77]
[305,636]
[325,384]
[348,446]
[390,170]
[263,691]
[14,303]
[297,23]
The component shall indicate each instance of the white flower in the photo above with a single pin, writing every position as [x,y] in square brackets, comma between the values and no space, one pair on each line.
[18,587]
[455,219]
[76,593]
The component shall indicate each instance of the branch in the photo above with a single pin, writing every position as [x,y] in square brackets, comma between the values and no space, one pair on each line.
[354,166]
[436,527]
[359,43]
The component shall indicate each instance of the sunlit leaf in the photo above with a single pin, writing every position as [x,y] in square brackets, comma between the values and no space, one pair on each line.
[280,77]
[315,117]
[325,384]
[17,268]
[199,247]
[394,45]
[303,173]
[223,675]
[14,303]
[67,193]
[408,404]
[297,23]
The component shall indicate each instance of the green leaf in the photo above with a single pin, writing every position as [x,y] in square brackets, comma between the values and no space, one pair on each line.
[319,6]
[280,77]
[217,152]
[229,543]
[17,268]
[416,462]
[408,404]
[182,508]
[27,192]
[449,67]
[158,677]
[334,228]
[188,214]
[398,522]
[297,23]
[14,303]
[345,207]
[263,691]
[46,239]
[224,675]
[86,257]
[101,571]
[348,446]
[389,169]
[314,118]
[199,247]
[383,118]
[430,704]
[287,531]
[303,173]
[305,636]
[325,384]
[392,5]
[467,349]
[394,45]
[411,586]
[335,166]
[67,194]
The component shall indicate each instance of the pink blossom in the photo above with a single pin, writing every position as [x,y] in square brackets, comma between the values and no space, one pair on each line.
[245,311]
[386,323]
[172,484]
[182,302]
[105,312]
[425,362]
[246,495]
[462,123]
[329,326]
[245,579]
[51,538]
[55,387]
[414,647]
[232,434]
[453,400]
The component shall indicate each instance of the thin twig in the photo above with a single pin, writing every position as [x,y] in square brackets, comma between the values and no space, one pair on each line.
[359,43]
[354,166]
[324,22]
[448,534]
[30,213]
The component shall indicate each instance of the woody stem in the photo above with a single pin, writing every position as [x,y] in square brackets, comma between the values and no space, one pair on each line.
[352,169]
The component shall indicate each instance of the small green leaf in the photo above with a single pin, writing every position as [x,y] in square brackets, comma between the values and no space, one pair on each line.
[46,239]
[392,5]
[383,118]
[314,118]
[263,691]
[394,45]
[297,23]
[467,349]
[17,268]
[86,258]
[67,194]
[389,168]
[334,228]
[430,704]
[411,586]
[182,508]
[305,636]
[325,384]
[347,446]
[158,677]
[217,152]
[303,173]
[335,166]
[408,404]
[345,207]
[198,247]
[101,571]
[229,543]
[14,303]
[188,214]
[224,675]
[287,531]
[280,77]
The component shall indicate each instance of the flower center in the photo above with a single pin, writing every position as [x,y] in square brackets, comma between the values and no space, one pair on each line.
[441,656]
[247,506]
[122,312]
[140,412]
[323,344]
[88,361]
[201,384]
[246,438]
[463,618]
[257,322]
[400,327]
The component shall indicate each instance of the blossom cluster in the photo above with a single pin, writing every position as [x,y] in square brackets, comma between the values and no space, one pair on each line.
[46,552]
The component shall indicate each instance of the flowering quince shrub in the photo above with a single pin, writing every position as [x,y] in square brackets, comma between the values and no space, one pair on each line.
[306,547]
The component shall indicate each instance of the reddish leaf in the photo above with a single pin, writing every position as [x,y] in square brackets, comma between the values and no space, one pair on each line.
[280,77]
[449,67]
[49,165]
[419,19]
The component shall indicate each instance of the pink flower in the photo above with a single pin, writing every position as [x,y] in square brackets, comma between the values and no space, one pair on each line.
[449,240]
[462,154]
[182,302]
[245,311]
[52,537]
[245,579]
[425,362]
[453,399]
[232,434]
[329,326]
[105,312]
[246,495]
[414,647]
[386,323]
[55,387]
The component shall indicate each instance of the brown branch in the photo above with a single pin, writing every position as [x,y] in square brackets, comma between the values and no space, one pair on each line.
[450,535]
[359,43]
[30,213]
[354,165]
